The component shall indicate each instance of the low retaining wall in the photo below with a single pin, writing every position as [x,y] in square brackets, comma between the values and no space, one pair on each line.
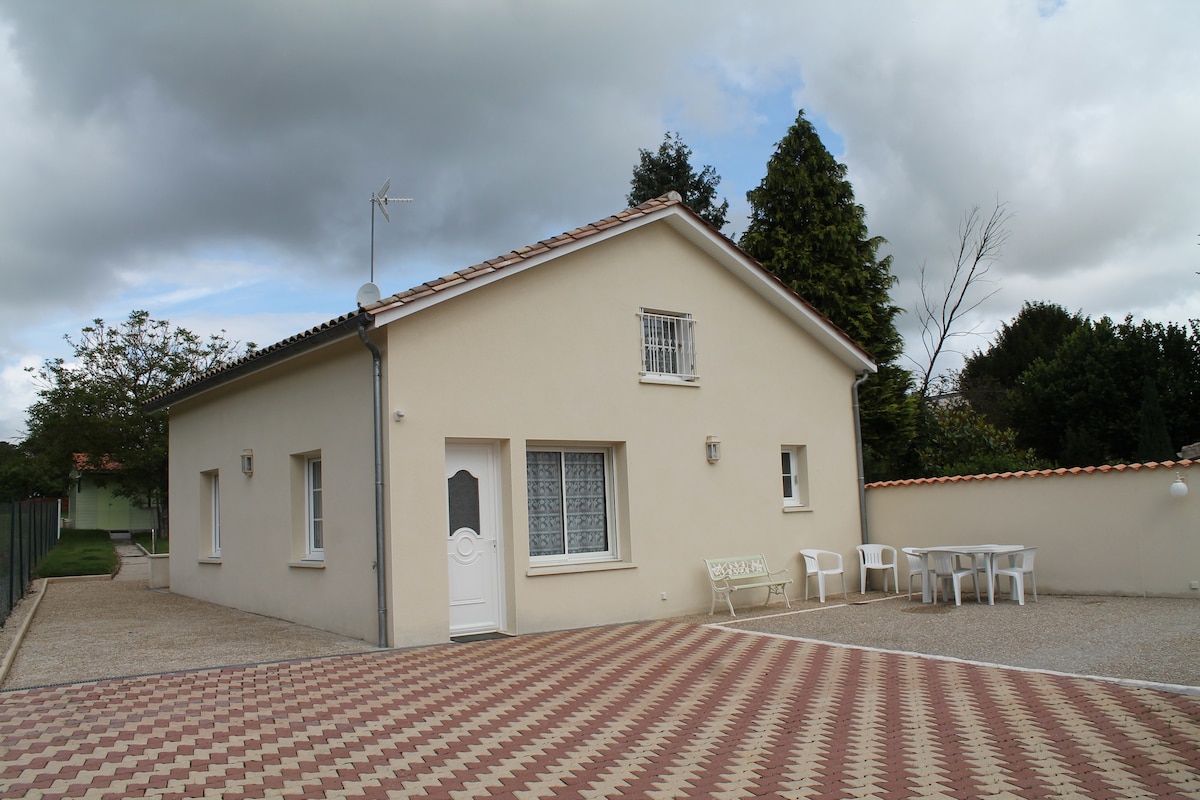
[1100,530]
[160,570]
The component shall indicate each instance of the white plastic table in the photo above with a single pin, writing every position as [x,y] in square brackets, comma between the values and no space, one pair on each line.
[987,552]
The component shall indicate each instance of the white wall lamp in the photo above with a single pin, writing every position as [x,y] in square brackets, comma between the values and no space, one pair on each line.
[248,462]
[1179,488]
[712,449]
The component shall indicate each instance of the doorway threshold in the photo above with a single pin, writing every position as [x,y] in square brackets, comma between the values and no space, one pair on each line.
[479,637]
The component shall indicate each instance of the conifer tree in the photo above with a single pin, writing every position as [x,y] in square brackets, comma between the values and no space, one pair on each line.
[671,169]
[806,228]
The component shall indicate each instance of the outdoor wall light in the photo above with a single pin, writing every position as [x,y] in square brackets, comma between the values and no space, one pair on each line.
[1179,488]
[248,462]
[712,449]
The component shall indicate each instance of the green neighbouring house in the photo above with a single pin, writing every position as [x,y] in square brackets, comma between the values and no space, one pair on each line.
[94,504]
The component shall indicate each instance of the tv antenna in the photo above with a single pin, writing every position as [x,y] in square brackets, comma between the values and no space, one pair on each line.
[381,200]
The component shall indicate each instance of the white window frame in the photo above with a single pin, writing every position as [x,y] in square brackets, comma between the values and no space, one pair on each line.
[794,473]
[610,510]
[214,484]
[668,346]
[314,508]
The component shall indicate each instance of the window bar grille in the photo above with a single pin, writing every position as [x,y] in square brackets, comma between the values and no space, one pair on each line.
[668,345]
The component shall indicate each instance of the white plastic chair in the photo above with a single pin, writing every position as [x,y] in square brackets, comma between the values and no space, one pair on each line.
[916,566]
[813,568]
[874,556]
[945,568]
[1021,564]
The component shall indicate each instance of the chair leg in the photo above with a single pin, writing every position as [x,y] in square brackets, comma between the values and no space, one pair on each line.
[862,579]
[1018,588]
[845,597]
[1033,585]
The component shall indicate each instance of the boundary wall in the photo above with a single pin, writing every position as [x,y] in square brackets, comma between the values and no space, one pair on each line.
[1112,530]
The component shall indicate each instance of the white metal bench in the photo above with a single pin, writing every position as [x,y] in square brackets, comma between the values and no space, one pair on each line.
[729,575]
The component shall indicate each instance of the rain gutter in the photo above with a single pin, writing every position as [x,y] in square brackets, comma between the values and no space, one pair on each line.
[377,398]
[858,442]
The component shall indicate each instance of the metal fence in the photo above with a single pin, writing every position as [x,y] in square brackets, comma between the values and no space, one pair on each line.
[28,529]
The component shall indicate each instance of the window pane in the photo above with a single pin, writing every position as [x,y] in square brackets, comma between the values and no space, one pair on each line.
[544,472]
[788,482]
[463,492]
[586,507]
[316,512]
[216,515]
[661,338]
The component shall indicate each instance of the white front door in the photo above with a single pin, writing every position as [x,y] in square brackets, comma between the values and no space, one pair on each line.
[473,543]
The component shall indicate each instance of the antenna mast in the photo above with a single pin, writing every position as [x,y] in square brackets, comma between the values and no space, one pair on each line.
[381,200]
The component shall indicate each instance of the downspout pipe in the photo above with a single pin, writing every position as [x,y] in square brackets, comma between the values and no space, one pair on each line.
[858,442]
[377,398]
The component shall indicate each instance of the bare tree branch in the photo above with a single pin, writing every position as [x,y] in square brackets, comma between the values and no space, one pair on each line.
[980,244]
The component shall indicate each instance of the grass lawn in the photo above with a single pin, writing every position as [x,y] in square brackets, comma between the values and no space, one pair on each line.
[79,553]
[161,545]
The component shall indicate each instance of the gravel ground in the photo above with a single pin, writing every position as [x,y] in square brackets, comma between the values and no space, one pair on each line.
[1156,640]
[89,630]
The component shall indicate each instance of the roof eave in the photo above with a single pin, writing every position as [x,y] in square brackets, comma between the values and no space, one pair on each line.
[314,340]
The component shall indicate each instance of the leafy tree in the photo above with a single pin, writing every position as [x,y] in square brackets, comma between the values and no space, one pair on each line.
[20,477]
[987,377]
[92,405]
[1154,442]
[806,228]
[671,169]
[1089,403]
[959,441]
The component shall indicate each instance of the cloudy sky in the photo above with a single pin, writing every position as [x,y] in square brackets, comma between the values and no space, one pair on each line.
[213,163]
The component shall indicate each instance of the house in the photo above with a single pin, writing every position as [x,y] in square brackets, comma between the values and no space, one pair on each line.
[93,503]
[552,439]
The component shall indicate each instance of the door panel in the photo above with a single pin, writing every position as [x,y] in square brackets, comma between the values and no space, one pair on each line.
[473,542]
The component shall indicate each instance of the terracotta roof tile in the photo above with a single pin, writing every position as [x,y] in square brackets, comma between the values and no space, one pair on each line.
[1041,473]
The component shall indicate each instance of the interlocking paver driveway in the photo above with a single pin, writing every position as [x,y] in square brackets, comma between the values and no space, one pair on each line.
[654,710]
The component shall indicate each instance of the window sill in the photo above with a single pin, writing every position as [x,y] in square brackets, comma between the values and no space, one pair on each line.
[668,380]
[795,509]
[307,564]
[210,560]
[563,569]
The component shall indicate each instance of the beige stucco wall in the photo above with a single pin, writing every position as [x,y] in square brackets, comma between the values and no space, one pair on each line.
[321,402]
[1114,532]
[552,354]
